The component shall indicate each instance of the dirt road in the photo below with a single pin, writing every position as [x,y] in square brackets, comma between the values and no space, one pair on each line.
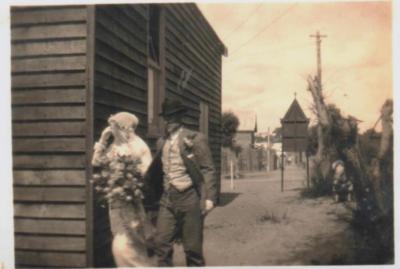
[257,224]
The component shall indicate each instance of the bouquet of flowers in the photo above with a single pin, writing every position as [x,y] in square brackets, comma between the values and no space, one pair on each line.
[119,179]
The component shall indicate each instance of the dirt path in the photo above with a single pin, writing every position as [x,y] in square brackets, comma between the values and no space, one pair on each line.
[257,224]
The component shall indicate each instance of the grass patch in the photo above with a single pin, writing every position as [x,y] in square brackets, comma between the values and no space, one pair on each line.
[274,217]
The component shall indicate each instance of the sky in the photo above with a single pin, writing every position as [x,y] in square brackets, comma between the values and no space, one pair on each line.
[271,53]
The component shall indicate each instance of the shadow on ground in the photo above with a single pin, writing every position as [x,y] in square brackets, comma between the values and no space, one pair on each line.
[227,198]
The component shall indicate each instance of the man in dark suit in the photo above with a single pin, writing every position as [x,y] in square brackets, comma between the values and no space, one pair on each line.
[182,179]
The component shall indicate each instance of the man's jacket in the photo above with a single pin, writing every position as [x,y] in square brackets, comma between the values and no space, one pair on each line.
[197,159]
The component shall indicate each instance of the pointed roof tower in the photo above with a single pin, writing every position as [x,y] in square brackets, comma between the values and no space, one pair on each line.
[295,113]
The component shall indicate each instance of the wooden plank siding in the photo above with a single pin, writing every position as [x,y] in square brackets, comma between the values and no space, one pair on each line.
[42,259]
[49,177]
[120,81]
[72,67]
[90,198]
[48,82]
[121,63]
[53,227]
[191,44]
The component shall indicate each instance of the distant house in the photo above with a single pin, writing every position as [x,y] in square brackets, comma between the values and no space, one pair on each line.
[245,135]
[249,159]
[73,66]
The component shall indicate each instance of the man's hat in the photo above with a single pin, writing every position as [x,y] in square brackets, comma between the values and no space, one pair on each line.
[171,107]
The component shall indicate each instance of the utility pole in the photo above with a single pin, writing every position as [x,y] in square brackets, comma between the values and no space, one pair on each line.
[269,150]
[318,40]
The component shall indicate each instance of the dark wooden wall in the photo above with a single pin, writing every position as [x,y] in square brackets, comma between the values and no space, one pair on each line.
[120,85]
[55,62]
[121,56]
[191,44]
[121,63]
[49,135]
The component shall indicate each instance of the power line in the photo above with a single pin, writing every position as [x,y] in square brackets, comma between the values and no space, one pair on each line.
[269,50]
[274,59]
[229,10]
[243,22]
[265,28]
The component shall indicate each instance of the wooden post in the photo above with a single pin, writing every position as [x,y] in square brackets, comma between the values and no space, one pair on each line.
[91,9]
[231,166]
[282,168]
[318,42]
[268,152]
[308,172]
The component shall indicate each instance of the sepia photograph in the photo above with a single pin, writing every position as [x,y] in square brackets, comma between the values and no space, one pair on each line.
[227,133]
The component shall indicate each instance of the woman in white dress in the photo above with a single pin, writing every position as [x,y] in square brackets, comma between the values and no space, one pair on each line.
[129,225]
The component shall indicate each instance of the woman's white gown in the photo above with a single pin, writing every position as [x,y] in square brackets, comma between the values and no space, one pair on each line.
[129,224]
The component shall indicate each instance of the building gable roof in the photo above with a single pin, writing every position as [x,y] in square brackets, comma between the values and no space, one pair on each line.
[295,113]
[224,49]
[247,121]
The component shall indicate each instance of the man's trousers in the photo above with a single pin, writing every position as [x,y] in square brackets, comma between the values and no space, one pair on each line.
[180,214]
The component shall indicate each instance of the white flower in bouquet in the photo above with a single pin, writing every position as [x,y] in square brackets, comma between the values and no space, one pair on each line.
[111,182]
[119,179]
[105,173]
